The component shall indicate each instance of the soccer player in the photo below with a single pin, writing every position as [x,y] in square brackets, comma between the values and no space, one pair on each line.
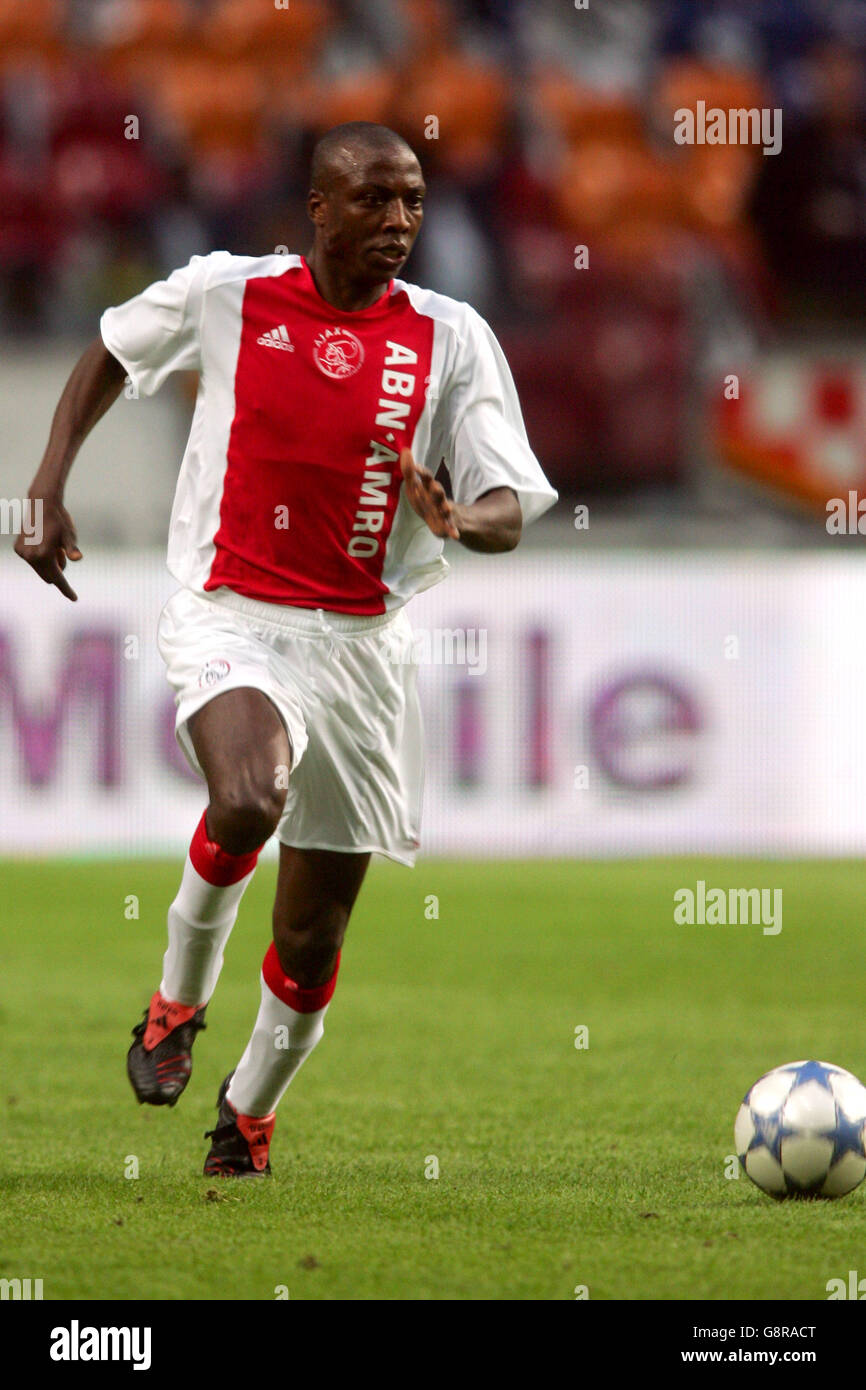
[301,526]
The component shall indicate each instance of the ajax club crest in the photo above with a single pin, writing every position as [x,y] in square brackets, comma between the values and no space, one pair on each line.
[338,353]
[213,671]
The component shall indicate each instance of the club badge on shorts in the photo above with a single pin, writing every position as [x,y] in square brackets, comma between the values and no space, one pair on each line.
[338,353]
[213,672]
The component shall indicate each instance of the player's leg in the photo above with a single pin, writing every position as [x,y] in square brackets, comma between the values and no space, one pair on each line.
[240,742]
[316,891]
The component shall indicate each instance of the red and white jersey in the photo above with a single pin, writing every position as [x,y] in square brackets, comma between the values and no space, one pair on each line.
[290,489]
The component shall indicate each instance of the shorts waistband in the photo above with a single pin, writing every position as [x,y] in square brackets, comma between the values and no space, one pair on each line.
[288,618]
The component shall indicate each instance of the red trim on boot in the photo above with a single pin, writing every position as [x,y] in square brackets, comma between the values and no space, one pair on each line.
[303,1001]
[257,1130]
[214,864]
[163,1015]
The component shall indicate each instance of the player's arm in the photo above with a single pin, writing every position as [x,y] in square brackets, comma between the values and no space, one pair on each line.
[492,523]
[96,382]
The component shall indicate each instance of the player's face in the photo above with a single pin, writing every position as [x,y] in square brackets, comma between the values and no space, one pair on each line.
[372,214]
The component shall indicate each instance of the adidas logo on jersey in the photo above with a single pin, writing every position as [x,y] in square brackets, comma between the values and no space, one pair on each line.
[277,338]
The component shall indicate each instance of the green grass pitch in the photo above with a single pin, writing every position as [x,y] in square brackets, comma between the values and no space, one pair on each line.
[450,1038]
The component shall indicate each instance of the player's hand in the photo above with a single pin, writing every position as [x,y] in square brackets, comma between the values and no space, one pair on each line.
[427,497]
[48,552]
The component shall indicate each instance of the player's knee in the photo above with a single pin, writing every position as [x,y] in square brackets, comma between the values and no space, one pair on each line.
[329,934]
[242,817]
[313,961]
[312,942]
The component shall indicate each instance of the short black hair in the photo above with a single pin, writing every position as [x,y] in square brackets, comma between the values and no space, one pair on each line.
[351,135]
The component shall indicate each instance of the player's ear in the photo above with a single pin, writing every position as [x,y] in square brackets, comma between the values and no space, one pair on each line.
[316,206]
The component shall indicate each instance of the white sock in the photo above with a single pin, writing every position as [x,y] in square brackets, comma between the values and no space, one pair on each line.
[200,921]
[282,1040]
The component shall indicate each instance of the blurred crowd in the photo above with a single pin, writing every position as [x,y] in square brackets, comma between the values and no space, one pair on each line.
[135,133]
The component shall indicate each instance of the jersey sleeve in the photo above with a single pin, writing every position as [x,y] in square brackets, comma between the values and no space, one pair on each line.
[159,331]
[485,437]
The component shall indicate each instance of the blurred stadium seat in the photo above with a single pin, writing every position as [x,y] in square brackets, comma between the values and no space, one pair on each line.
[137,40]
[246,29]
[214,101]
[579,113]
[30,32]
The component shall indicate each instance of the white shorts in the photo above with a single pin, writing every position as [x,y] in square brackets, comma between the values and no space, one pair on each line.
[346,689]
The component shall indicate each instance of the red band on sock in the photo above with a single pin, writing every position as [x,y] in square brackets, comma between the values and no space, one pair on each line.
[303,1001]
[214,864]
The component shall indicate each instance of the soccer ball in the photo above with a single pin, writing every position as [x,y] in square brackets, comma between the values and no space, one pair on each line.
[800,1131]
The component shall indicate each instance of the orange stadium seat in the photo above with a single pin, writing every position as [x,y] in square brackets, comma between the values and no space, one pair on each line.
[432,25]
[470,101]
[650,247]
[250,28]
[621,200]
[580,113]
[469,97]
[715,180]
[644,203]
[295,93]
[149,34]
[214,102]
[366,95]
[282,43]
[717,188]
[31,22]
[685,81]
[717,177]
[30,29]
[602,182]
[594,181]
